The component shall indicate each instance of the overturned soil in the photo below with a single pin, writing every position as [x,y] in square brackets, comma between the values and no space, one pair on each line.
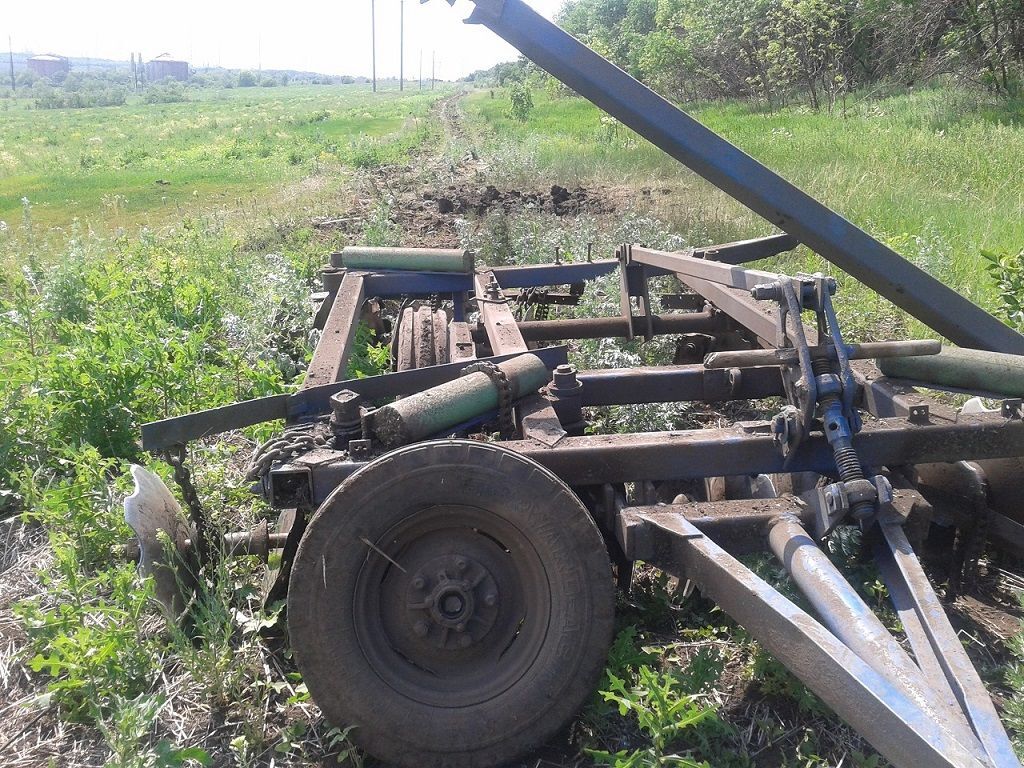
[426,200]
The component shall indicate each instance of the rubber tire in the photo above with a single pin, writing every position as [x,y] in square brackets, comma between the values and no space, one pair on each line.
[565,672]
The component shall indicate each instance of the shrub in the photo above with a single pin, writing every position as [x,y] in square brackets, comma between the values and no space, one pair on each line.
[520,101]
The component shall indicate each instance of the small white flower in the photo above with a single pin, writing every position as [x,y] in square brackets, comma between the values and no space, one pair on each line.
[3,226]
[24,201]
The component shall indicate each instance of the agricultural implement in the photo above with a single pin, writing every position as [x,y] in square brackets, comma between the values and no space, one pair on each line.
[451,532]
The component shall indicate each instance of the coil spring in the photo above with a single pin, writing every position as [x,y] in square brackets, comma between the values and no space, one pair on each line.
[846,458]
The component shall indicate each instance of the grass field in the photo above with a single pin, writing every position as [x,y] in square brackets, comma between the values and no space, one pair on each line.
[148,164]
[157,259]
[935,173]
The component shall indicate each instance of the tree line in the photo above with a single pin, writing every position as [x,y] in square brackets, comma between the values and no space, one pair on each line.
[777,50]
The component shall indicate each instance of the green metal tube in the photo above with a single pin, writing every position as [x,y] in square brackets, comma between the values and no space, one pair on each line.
[412,259]
[447,405]
[970,369]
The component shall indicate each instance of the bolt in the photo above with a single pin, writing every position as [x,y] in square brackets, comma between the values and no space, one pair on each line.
[460,627]
[460,564]
[565,377]
[442,576]
[490,599]
[421,628]
[493,289]
[453,605]
[766,292]
[418,582]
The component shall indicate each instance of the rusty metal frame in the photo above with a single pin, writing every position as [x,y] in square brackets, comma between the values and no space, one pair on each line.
[913,716]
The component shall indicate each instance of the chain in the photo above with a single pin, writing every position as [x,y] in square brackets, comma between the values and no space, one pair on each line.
[504,387]
[206,548]
[291,442]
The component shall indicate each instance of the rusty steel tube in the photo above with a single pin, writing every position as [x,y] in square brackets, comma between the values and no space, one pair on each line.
[852,621]
[447,405]
[609,327]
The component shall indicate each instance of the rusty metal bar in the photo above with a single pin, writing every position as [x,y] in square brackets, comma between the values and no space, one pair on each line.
[695,454]
[609,327]
[713,271]
[745,179]
[537,418]
[315,401]
[678,383]
[596,459]
[499,322]
[335,347]
[879,708]
[743,251]
[739,527]
[847,616]
[866,351]
[906,579]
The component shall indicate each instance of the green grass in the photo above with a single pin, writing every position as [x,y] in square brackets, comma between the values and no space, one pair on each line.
[935,172]
[123,300]
[149,163]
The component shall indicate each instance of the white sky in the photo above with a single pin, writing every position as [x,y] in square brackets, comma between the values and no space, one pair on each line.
[328,37]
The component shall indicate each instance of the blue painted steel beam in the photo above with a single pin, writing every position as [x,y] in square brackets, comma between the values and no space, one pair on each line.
[401,283]
[745,179]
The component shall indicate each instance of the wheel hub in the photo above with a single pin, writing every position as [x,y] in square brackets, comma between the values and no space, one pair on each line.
[452,601]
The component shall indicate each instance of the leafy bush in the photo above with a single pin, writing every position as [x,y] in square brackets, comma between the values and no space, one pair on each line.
[109,339]
[520,101]
[1007,270]
[168,92]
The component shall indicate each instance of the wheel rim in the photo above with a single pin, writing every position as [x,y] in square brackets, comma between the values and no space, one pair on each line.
[451,606]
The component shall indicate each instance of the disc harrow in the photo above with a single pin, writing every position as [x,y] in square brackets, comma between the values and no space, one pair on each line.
[452,531]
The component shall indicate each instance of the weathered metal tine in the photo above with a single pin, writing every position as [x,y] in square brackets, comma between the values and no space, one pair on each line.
[875,704]
[904,572]
[848,617]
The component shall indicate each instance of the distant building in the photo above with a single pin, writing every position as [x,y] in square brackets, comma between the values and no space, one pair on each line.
[164,66]
[49,65]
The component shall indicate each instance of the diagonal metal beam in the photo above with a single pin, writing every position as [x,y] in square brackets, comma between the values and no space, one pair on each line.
[745,179]
[330,358]
[877,706]
[911,589]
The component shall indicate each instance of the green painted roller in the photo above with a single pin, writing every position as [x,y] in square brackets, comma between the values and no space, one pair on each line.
[412,259]
[970,369]
[447,405]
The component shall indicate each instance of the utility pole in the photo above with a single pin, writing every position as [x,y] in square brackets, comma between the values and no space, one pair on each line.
[373,40]
[421,69]
[401,45]
[433,68]
[10,51]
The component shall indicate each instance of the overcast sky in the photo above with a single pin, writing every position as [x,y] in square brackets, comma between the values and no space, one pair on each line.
[329,37]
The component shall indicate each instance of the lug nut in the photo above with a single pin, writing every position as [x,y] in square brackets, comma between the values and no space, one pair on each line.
[460,564]
[421,628]
[460,627]
[418,582]
[490,599]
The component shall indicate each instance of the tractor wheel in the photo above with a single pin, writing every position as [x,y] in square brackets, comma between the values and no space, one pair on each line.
[454,602]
